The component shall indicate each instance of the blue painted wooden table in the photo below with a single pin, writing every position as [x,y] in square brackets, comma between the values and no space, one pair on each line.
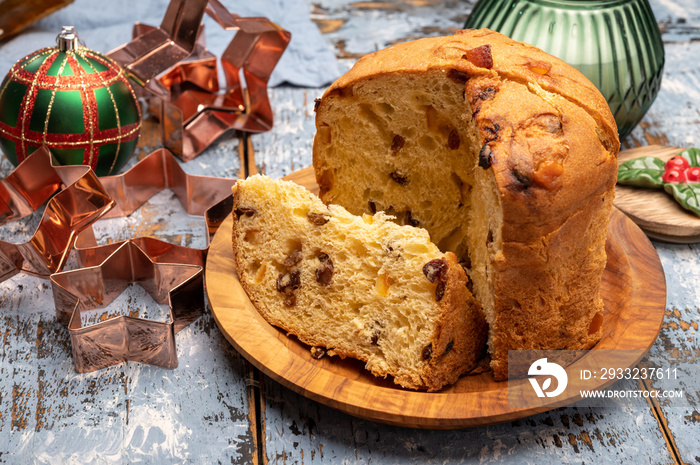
[216,408]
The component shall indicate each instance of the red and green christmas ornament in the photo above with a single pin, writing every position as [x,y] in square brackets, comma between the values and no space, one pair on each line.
[75,101]
[679,176]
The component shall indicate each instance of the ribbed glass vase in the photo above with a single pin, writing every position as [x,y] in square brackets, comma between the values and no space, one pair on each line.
[615,43]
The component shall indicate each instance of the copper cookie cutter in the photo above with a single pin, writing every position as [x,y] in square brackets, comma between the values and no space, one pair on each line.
[76,200]
[192,109]
[169,272]
[125,337]
[205,196]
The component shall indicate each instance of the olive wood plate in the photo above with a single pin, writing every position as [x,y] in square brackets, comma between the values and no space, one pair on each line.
[633,290]
[655,211]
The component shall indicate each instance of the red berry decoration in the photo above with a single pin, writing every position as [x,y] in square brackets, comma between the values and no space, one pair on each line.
[692,174]
[678,163]
[679,176]
[674,175]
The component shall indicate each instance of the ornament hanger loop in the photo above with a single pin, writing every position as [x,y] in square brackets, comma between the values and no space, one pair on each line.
[67,39]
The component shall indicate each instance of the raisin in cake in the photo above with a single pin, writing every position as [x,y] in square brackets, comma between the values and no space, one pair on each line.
[355,286]
[505,154]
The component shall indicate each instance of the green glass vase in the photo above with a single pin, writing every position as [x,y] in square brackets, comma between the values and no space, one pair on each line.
[616,44]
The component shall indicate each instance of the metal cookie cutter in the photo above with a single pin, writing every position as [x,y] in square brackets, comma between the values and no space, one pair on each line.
[76,200]
[124,337]
[169,272]
[193,112]
[199,195]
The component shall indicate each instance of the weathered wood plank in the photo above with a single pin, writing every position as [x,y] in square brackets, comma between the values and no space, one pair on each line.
[358,28]
[673,117]
[678,20]
[677,351]
[673,120]
[288,146]
[298,430]
[129,412]
[196,413]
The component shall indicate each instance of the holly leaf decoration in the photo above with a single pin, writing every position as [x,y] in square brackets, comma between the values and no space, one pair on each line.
[650,171]
[641,172]
[688,195]
[692,155]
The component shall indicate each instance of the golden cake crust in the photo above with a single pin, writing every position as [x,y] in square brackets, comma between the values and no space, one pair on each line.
[511,60]
[549,139]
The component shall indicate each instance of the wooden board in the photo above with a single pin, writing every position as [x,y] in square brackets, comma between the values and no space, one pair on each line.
[633,290]
[654,210]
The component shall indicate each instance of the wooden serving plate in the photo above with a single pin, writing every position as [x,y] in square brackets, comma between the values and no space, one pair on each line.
[633,290]
[654,210]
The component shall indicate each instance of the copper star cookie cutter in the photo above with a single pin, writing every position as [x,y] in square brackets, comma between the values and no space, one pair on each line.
[76,200]
[192,110]
[156,265]
[125,337]
[199,195]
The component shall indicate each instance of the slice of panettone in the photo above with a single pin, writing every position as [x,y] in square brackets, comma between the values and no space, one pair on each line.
[356,286]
